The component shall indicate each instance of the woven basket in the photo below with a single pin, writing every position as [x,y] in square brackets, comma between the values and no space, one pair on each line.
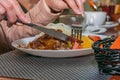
[108,60]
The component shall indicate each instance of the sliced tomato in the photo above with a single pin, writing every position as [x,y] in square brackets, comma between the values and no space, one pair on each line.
[94,37]
[75,45]
[116,43]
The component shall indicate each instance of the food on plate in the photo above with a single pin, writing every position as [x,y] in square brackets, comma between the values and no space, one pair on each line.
[46,42]
[87,42]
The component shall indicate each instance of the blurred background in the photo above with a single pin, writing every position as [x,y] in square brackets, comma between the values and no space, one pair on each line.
[112,7]
[31,3]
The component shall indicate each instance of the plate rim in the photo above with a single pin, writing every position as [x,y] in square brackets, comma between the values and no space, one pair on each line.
[63,53]
[110,25]
[102,29]
[14,42]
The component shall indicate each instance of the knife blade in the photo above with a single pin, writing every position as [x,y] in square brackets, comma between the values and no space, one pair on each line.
[51,32]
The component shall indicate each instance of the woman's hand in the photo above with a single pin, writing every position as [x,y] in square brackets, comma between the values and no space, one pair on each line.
[75,5]
[12,10]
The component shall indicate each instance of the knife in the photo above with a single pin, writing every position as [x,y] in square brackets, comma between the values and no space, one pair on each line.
[51,32]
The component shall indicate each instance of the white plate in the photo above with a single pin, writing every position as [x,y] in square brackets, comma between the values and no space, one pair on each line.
[49,53]
[109,25]
[52,53]
[95,30]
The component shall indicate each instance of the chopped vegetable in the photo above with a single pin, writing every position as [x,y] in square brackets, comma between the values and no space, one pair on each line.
[116,43]
[75,45]
[69,44]
[94,37]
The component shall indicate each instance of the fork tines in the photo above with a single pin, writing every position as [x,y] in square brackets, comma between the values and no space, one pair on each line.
[76,31]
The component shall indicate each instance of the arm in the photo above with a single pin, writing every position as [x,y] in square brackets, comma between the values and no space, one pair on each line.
[39,14]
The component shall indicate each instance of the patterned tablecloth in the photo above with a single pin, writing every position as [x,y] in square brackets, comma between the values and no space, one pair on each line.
[21,65]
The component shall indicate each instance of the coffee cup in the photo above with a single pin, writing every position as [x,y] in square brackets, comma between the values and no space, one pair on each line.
[95,18]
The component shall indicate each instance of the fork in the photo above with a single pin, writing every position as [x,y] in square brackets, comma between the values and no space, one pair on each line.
[78,26]
[76,31]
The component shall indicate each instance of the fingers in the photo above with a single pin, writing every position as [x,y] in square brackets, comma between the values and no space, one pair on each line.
[72,4]
[10,12]
[83,1]
[55,6]
[2,12]
[13,11]
[80,6]
[59,6]
[76,5]
[19,12]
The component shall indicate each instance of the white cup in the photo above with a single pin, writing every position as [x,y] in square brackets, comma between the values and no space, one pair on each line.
[95,18]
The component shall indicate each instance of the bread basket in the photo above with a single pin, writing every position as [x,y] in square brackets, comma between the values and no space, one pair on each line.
[108,60]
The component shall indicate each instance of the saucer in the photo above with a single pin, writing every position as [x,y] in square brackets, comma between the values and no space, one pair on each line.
[95,30]
[109,24]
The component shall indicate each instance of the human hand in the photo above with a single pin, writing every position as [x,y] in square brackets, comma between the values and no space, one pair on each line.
[75,5]
[12,10]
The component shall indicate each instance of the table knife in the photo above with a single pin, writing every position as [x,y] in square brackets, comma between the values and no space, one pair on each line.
[51,32]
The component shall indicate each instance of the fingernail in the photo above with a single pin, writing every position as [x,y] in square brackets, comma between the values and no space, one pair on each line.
[79,12]
[82,14]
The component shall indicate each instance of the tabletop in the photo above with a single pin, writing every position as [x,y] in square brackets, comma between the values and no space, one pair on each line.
[18,64]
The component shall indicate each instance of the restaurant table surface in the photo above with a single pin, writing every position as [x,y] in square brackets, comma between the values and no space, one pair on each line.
[18,64]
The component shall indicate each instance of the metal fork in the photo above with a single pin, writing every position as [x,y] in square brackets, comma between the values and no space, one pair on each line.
[76,31]
[78,26]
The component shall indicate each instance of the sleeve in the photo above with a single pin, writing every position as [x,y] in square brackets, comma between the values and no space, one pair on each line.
[40,14]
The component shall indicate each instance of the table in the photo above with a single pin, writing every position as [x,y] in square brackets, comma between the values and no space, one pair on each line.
[18,64]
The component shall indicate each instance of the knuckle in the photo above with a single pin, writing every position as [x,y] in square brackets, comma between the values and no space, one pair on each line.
[12,20]
[2,11]
[9,7]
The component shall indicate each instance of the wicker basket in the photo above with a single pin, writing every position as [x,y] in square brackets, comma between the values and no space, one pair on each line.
[108,60]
